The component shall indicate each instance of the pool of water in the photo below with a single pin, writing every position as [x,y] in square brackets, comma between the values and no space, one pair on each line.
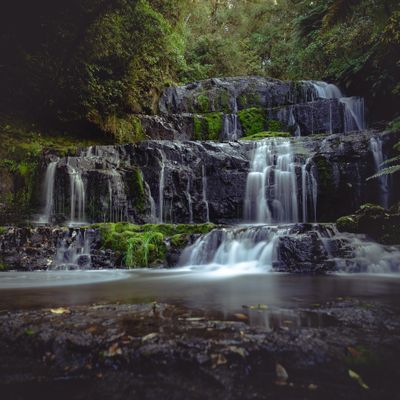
[194,289]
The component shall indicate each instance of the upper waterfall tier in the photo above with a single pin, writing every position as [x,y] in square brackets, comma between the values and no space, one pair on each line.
[228,108]
[275,180]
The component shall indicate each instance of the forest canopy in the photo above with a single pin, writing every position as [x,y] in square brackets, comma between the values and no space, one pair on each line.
[92,61]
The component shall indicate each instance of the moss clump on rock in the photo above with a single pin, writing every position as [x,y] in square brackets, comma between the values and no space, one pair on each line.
[275,126]
[252,120]
[142,246]
[203,103]
[373,220]
[207,126]
[266,134]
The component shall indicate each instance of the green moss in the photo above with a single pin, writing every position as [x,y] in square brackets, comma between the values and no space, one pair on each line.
[224,101]
[203,103]
[252,120]
[197,127]
[3,267]
[3,229]
[207,126]
[347,224]
[275,125]
[266,134]
[138,187]
[145,245]
[126,129]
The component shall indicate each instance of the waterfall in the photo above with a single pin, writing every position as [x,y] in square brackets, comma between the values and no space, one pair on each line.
[354,112]
[161,189]
[49,182]
[239,249]
[204,192]
[77,193]
[117,197]
[189,199]
[271,189]
[231,127]
[309,191]
[73,250]
[377,153]
[263,248]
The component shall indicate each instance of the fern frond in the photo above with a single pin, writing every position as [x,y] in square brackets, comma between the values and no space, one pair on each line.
[385,171]
[391,160]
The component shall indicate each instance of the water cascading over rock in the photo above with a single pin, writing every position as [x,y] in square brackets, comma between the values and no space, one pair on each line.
[280,188]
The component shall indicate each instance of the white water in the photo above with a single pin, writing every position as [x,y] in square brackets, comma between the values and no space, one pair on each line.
[73,251]
[49,183]
[204,190]
[232,251]
[161,189]
[377,153]
[354,112]
[231,128]
[77,195]
[272,194]
[256,249]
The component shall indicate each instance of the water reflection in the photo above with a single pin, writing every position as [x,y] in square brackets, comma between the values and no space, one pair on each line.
[193,290]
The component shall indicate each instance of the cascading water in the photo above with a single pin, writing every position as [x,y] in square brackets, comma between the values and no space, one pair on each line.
[377,153]
[354,119]
[272,193]
[161,189]
[73,250]
[78,195]
[204,192]
[234,250]
[263,248]
[49,182]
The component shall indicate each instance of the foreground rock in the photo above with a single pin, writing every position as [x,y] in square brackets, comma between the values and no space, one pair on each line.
[342,350]
[376,222]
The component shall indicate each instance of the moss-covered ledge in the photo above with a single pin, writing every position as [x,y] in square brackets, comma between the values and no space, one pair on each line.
[373,220]
[149,245]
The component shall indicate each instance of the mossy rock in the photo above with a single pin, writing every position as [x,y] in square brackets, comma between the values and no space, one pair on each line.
[266,134]
[146,245]
[207,126]
[252,120]
[347,224]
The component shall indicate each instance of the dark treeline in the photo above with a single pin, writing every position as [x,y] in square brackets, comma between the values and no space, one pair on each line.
[95,61]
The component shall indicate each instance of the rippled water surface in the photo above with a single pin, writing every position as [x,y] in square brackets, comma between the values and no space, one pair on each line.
[206,290]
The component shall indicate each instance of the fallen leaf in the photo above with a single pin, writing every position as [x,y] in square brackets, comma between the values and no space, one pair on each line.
[241,316]
[59,311]
[281,375]
[218,359]
[238,350]
[311,386]
[150,336]
[358,379]
[113,350]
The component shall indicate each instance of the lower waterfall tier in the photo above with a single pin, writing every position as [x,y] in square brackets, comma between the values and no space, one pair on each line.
[276,180]
[298,248]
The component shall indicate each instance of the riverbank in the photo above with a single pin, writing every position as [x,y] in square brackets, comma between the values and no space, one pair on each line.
[345,349]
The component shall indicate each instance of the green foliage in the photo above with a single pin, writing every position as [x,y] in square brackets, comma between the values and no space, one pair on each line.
[252,120]
[146,245]
[275,125]
[207,126]
[266,134]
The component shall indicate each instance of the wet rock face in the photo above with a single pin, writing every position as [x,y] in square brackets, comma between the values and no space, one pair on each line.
[183,182]
[344,162]
[376,222]
[230,94]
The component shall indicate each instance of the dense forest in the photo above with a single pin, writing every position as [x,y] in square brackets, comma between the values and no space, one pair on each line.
[94,63]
